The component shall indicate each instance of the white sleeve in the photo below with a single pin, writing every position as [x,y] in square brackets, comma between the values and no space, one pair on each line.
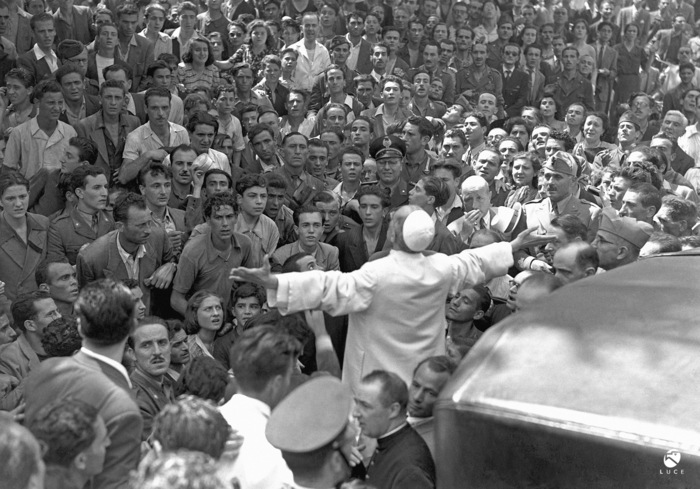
[478,266]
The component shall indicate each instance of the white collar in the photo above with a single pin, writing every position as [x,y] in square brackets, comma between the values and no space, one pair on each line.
[120,368]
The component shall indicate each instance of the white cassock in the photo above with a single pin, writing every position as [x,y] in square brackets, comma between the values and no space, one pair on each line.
[396,304]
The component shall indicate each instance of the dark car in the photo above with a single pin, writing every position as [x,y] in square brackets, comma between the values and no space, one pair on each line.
[597,388]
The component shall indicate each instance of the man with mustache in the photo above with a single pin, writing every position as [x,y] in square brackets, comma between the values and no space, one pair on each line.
[151,345]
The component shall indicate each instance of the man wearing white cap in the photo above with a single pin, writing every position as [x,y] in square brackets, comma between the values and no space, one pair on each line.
[396,304]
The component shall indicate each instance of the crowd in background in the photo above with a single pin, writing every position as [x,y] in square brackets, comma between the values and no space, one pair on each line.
[211,212]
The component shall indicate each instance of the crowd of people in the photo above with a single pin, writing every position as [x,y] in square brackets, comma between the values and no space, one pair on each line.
[246,244]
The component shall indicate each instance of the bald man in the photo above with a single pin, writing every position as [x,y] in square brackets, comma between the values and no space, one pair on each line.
[384,292]
[480,214]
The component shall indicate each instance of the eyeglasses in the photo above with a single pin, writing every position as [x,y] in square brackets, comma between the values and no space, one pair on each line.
[235,34]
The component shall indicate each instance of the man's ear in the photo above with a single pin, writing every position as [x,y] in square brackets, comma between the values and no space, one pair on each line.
[29,325]
[589,272]
[80,461]
[395,410]
[478,315]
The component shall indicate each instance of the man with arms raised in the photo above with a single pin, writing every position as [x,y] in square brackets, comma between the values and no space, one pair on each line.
[374,294]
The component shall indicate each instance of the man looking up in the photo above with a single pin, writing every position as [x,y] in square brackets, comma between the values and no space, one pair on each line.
[58,278]
[207,254]
[41,141]
[429,377]
[487,166]
[380,408]
[309,223]
[31,313]
[628,135]
[147,142]
[301,187]
[475,125]
[87,220]
[428,194]
[151,345]
[41,61]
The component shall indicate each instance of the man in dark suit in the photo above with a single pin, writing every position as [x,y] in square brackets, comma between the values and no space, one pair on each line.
[73,22]
[134,49]
[606,61]
[77,104]
[22,37]
[516,83]
[135,250]
[41,61]
[360,50]
[355,246]
[109,123]
[106,312]
[533,63]
[135,103]
[671,40]
[402,458]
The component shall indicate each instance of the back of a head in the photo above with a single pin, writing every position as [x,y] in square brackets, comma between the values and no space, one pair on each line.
[393,388]
[66,427]
[205,378]
[191,423]
[535,287]
[659,243]
[61,337]
[260,354]
[183,469]
[20,453]
[106,312]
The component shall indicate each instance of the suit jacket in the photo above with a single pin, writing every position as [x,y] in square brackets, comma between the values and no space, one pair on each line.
[319,92]
[39,68]
[25,37]
[140,56]
[444,241]
[491,81]
[44,195]
[536,89]
[69,232]
[102,386]
[644,22]
[18,261]
[91,128]
[352,251]
[304,193]
[364,60]
[516,90]
[405,55]
[92,106]
[81,29]
[17,359]
[604,84]
[664,38]
[566,93]
[101,259]
[379,129]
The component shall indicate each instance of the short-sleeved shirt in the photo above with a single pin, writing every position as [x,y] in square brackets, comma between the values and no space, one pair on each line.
[191,79]
[202,266]
[29,148]
[143,139]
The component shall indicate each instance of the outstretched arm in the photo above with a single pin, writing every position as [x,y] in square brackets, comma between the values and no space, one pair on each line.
[261,276]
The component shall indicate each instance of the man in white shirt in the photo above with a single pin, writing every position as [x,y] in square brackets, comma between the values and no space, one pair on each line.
[264,359]
[41,61]
[313,56]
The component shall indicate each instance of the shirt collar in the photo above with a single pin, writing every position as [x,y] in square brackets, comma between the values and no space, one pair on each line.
[41,54]
[140,251]
[118,366]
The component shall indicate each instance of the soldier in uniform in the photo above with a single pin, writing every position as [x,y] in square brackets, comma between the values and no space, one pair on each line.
[559,176]
[313,429]
[570,86]
[86,221]
[389,153]
[478,78]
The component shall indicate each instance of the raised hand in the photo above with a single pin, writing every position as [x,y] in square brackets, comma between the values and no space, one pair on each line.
[261,276]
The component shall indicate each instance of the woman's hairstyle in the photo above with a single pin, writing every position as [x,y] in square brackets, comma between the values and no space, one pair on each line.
[187,57]
[193,305]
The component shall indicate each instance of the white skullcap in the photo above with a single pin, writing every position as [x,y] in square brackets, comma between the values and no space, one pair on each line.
[418,230]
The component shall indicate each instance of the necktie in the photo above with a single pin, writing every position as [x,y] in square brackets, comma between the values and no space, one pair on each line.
[600,55]
[507,75]
[95,221]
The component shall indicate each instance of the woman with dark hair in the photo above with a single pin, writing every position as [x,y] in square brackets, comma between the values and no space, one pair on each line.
[549,109]
[205,378]
[197,67]
[594,127]
[373,28]
[204,317]
[261,44]
[23,238]
[524,171]
[630,59]
[224,143]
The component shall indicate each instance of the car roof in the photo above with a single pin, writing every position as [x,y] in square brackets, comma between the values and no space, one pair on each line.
[617,353]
